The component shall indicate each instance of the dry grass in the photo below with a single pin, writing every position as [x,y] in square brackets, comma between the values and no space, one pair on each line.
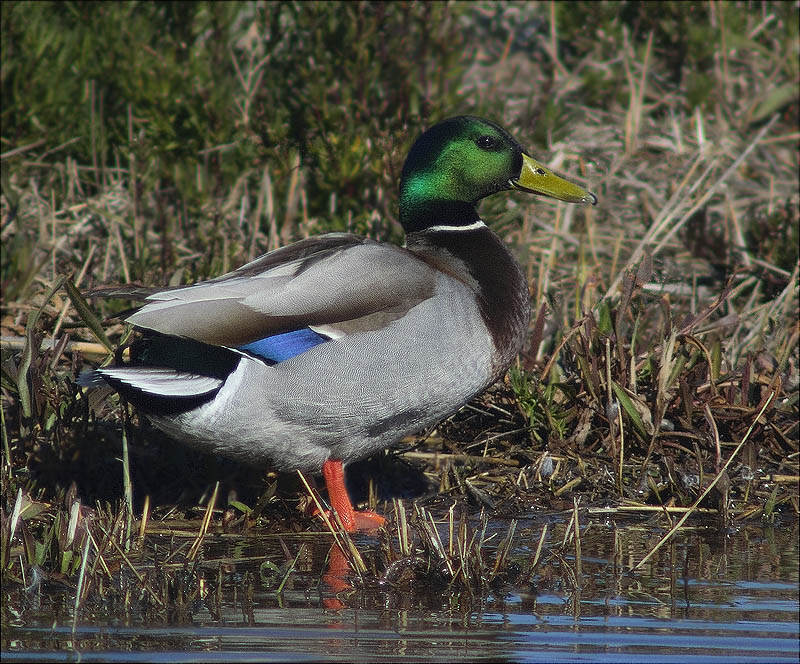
[661,372]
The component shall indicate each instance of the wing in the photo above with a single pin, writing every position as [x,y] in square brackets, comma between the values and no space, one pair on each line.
[335,284]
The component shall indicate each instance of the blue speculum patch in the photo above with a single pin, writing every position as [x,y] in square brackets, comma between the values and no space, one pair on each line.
[280,347]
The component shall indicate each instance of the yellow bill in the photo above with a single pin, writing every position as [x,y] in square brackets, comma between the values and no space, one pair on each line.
[538,179]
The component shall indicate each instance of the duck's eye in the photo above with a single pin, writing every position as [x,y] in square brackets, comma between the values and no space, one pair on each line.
[487,143]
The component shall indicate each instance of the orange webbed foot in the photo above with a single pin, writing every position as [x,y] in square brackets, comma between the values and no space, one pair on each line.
[351,519]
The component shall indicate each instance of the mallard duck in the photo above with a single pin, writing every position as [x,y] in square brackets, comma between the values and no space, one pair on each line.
[334,347]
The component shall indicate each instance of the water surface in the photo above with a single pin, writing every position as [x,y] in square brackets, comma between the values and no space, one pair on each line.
[710,595]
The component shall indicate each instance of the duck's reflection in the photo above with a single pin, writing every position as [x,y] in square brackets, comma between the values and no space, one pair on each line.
[335,579]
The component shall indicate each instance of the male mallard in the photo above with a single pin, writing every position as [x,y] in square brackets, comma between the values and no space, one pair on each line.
[334,347]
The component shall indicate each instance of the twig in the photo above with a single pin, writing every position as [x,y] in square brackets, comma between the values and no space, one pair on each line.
[204,525]
[711,485]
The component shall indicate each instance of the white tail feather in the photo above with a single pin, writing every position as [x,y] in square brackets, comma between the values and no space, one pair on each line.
[152,380]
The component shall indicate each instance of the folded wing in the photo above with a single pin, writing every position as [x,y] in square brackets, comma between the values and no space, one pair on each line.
[335,284]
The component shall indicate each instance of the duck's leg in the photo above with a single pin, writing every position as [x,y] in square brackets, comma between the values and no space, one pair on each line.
[333,472]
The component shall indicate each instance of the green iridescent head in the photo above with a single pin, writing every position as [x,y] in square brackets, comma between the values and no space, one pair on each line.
[461,160]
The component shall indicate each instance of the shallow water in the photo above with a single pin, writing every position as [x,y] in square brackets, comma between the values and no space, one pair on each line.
[709,596]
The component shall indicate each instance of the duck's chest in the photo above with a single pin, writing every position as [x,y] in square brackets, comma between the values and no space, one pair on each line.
[479,260]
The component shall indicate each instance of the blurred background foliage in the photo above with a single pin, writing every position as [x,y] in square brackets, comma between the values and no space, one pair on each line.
[233,122]
[199,94]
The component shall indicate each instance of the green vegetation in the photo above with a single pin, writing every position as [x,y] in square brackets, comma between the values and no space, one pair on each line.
[164,143]
[228,100]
